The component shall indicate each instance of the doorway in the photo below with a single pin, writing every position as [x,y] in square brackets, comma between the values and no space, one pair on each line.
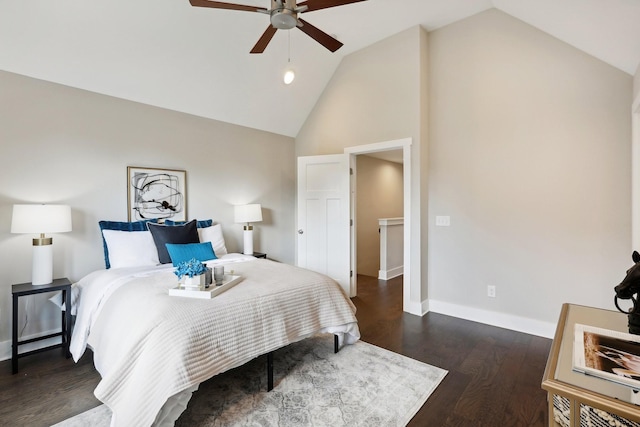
[379,214]
[408,282]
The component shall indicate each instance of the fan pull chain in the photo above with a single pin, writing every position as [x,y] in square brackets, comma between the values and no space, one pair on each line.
[289,75]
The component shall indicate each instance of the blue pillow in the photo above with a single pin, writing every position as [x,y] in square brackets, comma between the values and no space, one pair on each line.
[203,223]
[163,234]
[120,226]
[184,252]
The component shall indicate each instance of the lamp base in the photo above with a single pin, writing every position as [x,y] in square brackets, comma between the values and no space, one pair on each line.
[42,268]
[248,241]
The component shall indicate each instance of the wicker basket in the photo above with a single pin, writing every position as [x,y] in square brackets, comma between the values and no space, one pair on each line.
[589,416]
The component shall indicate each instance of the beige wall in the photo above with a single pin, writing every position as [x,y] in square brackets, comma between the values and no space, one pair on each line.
[375,96]
[635,163]
[64,145]
[530,147]
[379,195]
[636,83]
[521,139]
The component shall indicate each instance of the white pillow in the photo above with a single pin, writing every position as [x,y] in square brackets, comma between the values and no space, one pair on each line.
[130,248]
[213,234]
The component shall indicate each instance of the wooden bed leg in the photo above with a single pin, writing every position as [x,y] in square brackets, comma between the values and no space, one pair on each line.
[336,344]
[270,371]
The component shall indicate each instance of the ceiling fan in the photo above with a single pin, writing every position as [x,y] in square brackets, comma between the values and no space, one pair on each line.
[284,16]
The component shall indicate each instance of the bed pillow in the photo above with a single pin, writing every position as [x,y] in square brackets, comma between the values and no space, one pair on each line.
[120,226]
[163,234]
[214,235]
[130,248]
[199,223]
[200,251]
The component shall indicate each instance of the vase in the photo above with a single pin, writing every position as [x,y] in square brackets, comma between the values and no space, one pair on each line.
[195,282]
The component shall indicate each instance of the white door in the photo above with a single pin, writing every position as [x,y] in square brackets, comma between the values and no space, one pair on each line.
[323,217]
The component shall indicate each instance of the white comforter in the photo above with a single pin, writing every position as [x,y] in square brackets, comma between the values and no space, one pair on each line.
[149,346]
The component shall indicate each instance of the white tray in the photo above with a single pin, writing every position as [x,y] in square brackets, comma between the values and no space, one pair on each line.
[229,282]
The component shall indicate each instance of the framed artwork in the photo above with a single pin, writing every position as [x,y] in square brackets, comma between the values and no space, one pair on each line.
[156,193]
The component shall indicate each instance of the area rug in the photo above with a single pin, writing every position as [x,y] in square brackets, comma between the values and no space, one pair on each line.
[361,385]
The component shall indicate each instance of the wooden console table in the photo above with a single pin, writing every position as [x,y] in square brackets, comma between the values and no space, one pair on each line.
[577,388]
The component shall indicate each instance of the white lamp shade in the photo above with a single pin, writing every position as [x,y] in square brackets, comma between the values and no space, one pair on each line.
[248,213]
[41,219]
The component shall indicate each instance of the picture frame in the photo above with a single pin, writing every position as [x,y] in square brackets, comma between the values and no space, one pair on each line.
[154,193]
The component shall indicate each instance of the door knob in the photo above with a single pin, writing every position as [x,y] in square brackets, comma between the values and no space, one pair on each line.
[300,231]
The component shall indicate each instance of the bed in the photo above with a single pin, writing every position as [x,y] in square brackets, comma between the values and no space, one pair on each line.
[152,349]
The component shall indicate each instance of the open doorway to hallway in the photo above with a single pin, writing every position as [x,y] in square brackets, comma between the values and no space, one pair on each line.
[379,215]
[411,248]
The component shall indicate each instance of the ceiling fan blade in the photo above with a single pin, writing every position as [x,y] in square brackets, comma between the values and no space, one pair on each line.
[324,4]
[320,36]
[264,40]
[221,5]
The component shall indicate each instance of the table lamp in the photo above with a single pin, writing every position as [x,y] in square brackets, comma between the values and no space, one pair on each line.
[248,214]
[41,219]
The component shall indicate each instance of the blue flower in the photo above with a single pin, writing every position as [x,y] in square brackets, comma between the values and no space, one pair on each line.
[190,268]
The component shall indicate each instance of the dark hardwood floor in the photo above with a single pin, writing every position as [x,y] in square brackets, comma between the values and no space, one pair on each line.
[494,374]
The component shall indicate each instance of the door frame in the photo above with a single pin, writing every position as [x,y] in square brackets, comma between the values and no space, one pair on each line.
[408,281]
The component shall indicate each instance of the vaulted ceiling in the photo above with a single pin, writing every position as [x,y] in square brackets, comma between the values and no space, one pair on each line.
[196,60]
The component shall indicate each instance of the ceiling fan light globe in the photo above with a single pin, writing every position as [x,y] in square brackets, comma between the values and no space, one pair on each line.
[289,76]
[284,19]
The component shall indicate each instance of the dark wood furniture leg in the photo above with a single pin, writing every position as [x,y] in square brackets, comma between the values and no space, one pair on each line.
[270,371]
[14,337]
[66,322]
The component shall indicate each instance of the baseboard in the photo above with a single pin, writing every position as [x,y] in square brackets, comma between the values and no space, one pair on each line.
[493,318]
[416,308]
[5,346]
[391,273]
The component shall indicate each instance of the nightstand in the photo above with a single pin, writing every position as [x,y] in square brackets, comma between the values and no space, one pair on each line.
[25,289]
[259,255]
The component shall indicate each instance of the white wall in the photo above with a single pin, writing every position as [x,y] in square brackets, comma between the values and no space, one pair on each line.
[530,156]
[379,195]
[64,145]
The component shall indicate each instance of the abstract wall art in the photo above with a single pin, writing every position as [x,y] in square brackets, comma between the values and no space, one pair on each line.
[156,193]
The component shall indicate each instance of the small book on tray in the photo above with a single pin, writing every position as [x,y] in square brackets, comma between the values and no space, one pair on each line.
[607,354]
[207,293]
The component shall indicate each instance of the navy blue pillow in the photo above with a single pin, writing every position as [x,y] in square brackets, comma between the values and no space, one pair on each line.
[200,251]
[121,226]
[203,223]
[177,234]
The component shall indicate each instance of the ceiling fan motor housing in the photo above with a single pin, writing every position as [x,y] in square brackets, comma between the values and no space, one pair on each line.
[283,14]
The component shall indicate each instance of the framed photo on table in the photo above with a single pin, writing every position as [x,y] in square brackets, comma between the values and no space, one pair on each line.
[156,193]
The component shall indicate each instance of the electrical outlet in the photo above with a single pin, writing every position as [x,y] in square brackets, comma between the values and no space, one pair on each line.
[491,291]
[443,221]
